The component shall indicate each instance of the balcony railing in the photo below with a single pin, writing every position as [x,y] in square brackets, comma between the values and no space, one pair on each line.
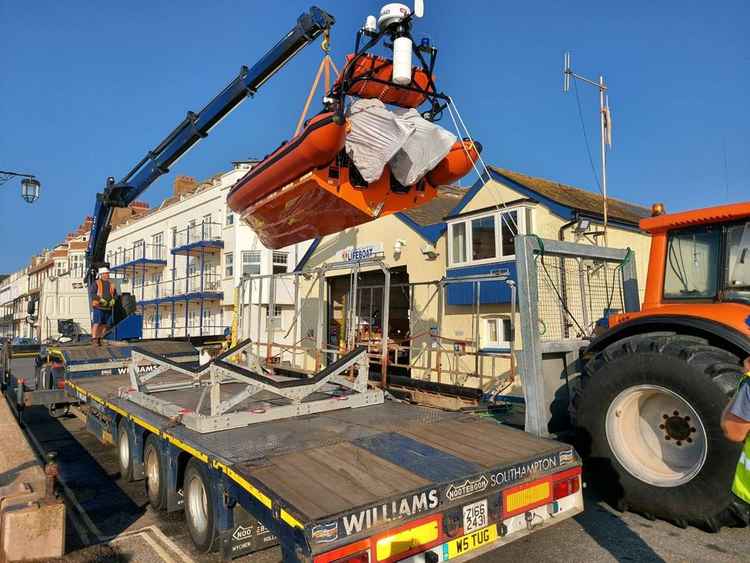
[166,330]
[210,283]
[203,232]
[139,253]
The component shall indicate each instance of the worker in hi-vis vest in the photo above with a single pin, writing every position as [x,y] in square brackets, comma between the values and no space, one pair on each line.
[735,422]
[103,304]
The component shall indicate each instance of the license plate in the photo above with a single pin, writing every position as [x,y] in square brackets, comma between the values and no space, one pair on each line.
[472,541]
[475,516]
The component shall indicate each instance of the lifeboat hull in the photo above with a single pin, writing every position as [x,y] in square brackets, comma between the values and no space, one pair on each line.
[372,66]
[315,146]
[324,202]
[456,164]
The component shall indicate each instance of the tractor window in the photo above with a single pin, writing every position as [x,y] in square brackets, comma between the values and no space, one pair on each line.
[692,264]
[738,259]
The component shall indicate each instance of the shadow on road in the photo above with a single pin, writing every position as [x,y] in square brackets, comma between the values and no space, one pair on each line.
[96,494]
[613,534]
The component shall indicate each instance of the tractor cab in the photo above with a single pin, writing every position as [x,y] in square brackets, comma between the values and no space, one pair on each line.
[699,265]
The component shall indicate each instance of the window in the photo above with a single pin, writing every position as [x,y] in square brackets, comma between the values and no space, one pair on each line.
[230,217]
[206,231]
[139,249]
[77,265]
[458,242]
[509,227]
[485,238]
[174,237]
[498,332]
[738,261]
[192,265]
[692,264]
[61,266]
[280,262]
[229,264]
[251,263]
[157,246]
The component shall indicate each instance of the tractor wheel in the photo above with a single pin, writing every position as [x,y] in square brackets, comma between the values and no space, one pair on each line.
[649,423]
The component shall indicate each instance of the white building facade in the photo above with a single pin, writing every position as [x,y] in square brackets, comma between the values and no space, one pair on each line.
[183,260]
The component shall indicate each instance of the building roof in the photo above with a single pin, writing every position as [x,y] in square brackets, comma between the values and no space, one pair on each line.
[576,198]
[435,210]
[428,220]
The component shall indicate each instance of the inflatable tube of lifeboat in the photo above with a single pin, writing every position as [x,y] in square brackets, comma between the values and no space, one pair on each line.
[314,147]
[369,67]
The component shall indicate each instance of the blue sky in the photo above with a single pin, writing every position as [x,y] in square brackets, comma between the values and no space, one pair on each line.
[88,88]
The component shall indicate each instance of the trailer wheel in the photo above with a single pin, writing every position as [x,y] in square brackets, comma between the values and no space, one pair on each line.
[648,421]
[155,469]
[124,451]
[199,510]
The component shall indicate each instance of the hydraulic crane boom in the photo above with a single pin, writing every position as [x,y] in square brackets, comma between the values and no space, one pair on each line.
[192,129]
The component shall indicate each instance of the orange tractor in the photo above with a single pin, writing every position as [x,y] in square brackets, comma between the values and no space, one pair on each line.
[655,384]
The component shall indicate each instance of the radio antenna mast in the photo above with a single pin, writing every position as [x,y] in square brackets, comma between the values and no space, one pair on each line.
[605,128]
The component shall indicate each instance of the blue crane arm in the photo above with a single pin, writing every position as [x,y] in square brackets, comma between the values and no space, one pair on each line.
[193,128]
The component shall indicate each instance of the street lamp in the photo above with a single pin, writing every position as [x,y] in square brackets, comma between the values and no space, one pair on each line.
[29,185]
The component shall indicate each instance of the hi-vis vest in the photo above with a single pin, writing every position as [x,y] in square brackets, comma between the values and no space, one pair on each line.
[741,484]
[102,301]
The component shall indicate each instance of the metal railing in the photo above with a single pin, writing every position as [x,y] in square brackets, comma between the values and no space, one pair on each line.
[208,282]
[194,329]
[200,232]
[136,252]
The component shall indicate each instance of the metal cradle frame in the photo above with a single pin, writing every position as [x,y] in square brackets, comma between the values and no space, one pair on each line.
[291,397]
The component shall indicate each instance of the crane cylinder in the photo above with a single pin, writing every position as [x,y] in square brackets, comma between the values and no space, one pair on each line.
[402,61]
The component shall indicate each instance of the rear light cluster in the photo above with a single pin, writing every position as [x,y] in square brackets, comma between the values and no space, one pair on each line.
[393,545]
[566,487]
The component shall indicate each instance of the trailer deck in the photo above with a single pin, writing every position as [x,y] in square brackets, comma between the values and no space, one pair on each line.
[340,476]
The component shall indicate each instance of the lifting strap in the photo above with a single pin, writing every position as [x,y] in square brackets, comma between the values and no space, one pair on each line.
[325,67]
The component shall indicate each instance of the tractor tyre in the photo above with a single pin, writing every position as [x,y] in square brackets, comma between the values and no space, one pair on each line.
[648,422]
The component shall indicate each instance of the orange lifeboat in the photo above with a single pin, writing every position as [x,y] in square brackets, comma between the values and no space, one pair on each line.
[332,198]
[456,164]
[329,200]
[315,146]
[370,77]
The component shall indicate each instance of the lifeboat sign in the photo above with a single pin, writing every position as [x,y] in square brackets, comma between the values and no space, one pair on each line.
[361,253]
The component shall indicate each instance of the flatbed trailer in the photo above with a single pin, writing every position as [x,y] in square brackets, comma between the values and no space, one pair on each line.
[386,482]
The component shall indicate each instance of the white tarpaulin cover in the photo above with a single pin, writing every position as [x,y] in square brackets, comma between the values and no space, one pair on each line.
[402,138]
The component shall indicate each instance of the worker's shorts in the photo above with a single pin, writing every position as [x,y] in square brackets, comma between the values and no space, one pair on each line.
[103,316]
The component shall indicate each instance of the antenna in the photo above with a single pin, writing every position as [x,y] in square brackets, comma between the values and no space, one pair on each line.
[419,8]
[605,118]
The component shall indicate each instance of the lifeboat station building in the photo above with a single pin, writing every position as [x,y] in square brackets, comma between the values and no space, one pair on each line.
[435,326]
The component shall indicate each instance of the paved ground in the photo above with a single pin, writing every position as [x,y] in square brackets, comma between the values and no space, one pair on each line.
[104,507]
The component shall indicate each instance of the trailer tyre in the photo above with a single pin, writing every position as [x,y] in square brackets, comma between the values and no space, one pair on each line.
[156,477]
[124,451]
[649,424]
[199,506]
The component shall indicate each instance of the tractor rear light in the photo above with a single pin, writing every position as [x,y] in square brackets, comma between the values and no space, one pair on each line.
[566,487]
[407,540]
[357,552]
[525,497]
[360,557]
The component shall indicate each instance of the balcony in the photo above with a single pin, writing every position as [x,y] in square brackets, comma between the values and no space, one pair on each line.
[138,258]
[201,238]
[190,288]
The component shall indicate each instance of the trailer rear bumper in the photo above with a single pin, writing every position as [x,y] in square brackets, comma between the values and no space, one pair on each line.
[474,527]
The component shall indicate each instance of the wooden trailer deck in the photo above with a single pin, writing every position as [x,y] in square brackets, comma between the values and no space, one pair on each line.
[345,474]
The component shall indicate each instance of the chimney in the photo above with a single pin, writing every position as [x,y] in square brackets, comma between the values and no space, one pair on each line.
[184,185]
